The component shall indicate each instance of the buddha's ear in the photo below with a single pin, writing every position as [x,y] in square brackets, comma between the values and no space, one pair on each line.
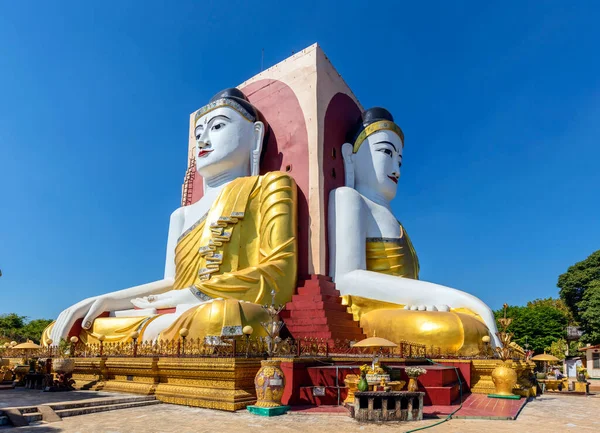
[348,157]
[259,135]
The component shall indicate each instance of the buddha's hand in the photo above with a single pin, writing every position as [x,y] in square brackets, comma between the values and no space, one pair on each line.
[88,309]
[170,299]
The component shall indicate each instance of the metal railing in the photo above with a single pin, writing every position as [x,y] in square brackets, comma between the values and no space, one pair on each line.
[225,347]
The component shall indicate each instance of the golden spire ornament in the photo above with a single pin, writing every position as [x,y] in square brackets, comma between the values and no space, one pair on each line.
[505,337]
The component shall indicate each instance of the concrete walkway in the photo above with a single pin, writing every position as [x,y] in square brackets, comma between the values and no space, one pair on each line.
[20,397]
[547,414]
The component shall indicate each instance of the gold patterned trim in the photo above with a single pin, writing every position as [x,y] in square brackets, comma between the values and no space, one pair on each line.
[196,224]
[382,125]
[199,294]
[224,102]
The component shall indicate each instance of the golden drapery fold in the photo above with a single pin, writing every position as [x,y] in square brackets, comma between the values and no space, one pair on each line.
[393,256]
[241,262]
[250,257]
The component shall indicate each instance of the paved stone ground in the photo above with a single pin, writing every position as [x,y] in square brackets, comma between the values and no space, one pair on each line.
[20,397]
[547,414]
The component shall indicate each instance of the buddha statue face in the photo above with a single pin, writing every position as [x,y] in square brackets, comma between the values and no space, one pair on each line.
[228,136]
[377,163]
[373,154]
[225,141]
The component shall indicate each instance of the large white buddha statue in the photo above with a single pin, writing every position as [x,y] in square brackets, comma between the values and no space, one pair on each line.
[373,262]
[226,253]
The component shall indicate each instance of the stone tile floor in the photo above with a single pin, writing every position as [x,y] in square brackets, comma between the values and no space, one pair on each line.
[20,397]
[547,414]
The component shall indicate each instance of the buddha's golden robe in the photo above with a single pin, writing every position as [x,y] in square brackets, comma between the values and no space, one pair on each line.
[457,331]
[232,259]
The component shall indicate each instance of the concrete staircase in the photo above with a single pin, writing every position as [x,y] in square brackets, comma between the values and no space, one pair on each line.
[51,412]
[317,312]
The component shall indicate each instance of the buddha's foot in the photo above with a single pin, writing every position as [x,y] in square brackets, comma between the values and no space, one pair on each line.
[421,307]
[442,332]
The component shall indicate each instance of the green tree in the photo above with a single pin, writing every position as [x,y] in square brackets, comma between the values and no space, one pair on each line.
[579,289]
[538,324]
[559,348]
[15,327]
[557,303]
[10,325]
[34,328]
[590,313]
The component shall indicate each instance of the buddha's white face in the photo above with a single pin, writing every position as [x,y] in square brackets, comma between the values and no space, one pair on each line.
[224,141]
[377,163]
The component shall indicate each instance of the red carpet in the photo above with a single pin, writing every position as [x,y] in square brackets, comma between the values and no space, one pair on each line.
[479,406]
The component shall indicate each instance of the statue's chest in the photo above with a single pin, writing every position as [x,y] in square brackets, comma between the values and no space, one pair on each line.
[381,222]
[194,213]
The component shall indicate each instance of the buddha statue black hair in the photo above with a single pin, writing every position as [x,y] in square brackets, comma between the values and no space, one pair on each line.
[367,117]
[238,96]
[372,120]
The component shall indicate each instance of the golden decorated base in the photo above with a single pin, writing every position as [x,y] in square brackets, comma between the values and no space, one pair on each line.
[481,377]
[212,383]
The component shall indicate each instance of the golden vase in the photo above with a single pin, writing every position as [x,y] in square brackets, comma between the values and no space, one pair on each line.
[505,379]
[269,383]
[413,386]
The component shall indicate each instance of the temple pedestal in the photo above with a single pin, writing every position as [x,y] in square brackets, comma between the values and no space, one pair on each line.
[213,383]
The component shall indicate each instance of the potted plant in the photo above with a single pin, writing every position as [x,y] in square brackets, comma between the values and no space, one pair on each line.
[582,374]
[363,385]
[64,364]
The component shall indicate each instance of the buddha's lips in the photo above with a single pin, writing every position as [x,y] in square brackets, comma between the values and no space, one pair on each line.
[395,179]
[204,152]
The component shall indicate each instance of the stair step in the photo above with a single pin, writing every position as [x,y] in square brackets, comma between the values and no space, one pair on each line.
[32,414]
[32,417]
[304,305]
[317,290]
[104,408]
[101,401]
[332,337]
[318,297]
[352,328]
[317,320]
[28,409]
[310,313]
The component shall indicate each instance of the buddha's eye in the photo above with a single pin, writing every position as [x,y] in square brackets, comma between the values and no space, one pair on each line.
[217,126]
[388,152]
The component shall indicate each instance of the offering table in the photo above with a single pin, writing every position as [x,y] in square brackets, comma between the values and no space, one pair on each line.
[388,406]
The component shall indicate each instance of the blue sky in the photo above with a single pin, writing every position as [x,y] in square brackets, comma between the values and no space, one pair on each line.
[500,105]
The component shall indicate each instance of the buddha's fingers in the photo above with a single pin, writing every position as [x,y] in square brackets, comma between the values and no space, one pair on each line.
[142,303]
[154,301]
[97,308]
[64,323]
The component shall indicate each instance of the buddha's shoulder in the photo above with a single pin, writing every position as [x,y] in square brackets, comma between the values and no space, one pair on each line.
[276,177]
[346,194]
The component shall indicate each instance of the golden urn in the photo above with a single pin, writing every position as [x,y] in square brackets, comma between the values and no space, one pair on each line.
[269,383]
[504,376]
[505,379]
